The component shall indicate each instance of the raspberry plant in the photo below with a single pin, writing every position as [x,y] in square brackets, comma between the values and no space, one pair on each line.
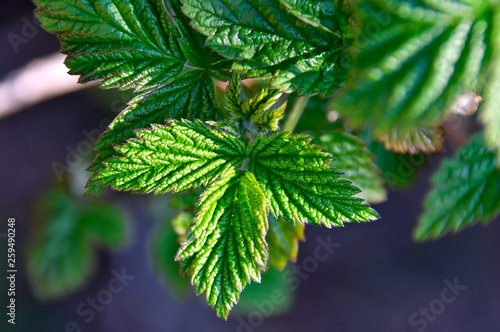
[258,183]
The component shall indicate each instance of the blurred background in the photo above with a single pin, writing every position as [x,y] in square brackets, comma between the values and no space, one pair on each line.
[369,277]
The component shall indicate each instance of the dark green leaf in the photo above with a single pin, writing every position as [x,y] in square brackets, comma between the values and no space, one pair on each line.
[425,55]
[60,255]
[466,190]
[267,39]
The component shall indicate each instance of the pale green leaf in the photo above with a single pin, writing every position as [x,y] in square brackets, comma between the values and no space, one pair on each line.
[300,186]
[226,246]
[175,157]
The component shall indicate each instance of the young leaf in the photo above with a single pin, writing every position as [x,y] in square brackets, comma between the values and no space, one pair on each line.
[175,157]
[267,39]
[358,164]
[259,109]
[300,186]
[466,190]
[232,96]
[414,140]
[60,255]
[425,56]
[226,245]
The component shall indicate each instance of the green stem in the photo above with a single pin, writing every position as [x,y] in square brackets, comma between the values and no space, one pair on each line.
[296,113]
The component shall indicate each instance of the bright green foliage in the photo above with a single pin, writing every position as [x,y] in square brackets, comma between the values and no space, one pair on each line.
[61,256]
[300,186]
[358,164]
[226,246]
[414,140]
[127,44]
[174,157]
[135,44]
[266,38]
[259,109]
[283,239]
[426,55]
[232,96]
[466,190]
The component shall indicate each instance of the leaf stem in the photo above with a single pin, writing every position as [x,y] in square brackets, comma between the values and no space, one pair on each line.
[296,113]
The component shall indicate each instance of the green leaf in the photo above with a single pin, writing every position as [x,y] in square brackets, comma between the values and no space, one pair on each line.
[490,111]
[300,186]
[274,291]
[175,157]
[137,44]
[60,254]
[318,13]
[466,189]
[425,56]
[181,223]
[414,140]
[358,164]
[126,44]
[104,224]
[283,239]
[267,39]
[232,96]
[259,109]
[398,170]
[226,245]
[163,248]
[192,44]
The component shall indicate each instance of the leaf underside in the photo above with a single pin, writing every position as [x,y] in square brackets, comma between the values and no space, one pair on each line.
[415,140]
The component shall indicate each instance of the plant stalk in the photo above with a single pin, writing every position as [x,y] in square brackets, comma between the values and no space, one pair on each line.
[295,114]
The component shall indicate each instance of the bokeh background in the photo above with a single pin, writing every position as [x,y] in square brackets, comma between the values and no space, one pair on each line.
[373,281]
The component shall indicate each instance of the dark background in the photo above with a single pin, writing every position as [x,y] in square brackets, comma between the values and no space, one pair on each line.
[374,281]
